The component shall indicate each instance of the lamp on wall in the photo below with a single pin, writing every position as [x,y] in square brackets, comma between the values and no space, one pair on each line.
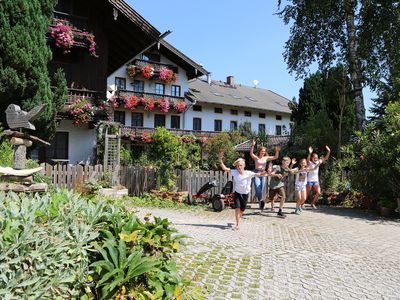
[115,14]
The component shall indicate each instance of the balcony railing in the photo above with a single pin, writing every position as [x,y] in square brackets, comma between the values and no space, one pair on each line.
[80,23]
[122,93]
[80,94]
[138,131]
[157,65]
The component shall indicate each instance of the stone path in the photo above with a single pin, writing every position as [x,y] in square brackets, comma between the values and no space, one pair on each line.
[330,253]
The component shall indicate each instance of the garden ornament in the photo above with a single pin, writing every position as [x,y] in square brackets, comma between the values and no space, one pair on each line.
[18,119]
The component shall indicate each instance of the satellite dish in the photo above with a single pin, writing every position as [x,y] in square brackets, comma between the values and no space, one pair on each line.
[255,82]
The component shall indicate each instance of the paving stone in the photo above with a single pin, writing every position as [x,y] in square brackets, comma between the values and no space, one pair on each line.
[330,253]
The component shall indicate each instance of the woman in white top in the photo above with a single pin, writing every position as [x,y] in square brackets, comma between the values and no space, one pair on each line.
[260,161]
[314,162]
[242,179]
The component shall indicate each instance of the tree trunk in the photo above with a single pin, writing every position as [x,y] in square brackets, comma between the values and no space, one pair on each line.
[354,62]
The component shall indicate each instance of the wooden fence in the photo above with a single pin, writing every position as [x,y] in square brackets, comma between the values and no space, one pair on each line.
[139,180]
[193,180]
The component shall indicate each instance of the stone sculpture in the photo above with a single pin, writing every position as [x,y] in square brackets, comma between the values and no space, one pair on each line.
[18,178]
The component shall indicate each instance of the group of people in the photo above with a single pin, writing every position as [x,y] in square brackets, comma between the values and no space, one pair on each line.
[306,179]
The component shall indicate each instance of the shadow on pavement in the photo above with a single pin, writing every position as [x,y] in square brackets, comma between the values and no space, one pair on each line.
[222,227]
[370,217]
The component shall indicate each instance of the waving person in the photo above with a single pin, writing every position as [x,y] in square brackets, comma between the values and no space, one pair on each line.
[260,161]
[314,162]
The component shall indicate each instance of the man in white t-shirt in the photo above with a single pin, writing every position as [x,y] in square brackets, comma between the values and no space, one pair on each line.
[313,162]
[242,179]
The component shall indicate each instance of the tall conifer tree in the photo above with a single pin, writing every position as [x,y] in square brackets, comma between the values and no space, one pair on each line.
[24,56]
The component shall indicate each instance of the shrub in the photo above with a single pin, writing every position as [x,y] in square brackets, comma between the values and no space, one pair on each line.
[62,246]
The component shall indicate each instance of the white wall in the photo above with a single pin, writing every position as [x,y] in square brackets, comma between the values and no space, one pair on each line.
[150,85]
[208,116]
[81,142]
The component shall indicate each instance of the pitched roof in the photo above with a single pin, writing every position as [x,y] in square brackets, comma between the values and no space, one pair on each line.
[219,92]
[273,141]
[192,68]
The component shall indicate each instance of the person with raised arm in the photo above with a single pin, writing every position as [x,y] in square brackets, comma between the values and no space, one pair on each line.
[261,160]
[242,179]
[313,163]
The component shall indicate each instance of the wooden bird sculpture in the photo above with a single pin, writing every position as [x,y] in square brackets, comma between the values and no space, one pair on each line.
[17,118]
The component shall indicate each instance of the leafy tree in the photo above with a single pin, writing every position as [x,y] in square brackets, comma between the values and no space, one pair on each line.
[362,35]
[324,113]
[374,158]
[24,56]
[225,141]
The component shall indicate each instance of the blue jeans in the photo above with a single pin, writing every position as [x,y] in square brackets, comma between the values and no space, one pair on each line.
[259,183]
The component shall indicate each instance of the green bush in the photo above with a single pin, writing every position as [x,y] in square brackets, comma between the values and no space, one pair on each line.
[6,154]
[62,246]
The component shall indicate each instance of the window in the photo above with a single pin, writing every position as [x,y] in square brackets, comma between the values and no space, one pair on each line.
[278,130]
[261,115]
[247,126]
[176,90]
[278,117]
[120,83]
[159,120]
[218,110]
[138,86]
[196,124]
[217,125]
[151,56]
[247,113]
[119,116]
[233,125]
[59,147]
[196,107]
[137,119]
[160,89]
[176,122]
[234,112]
[261,128]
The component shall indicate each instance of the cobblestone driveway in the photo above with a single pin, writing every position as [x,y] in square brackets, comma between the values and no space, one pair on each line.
[326,254]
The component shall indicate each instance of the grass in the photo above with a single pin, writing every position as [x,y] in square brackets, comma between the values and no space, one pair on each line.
[150,200]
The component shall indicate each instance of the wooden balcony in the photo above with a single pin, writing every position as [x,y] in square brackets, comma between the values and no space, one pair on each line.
[172,99]
[138,131]
[79,25]
[80,94]
[156,65]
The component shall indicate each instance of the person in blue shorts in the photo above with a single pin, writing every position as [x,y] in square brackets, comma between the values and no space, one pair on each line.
[313,162]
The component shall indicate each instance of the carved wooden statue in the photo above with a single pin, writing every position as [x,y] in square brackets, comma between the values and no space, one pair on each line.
[17,118]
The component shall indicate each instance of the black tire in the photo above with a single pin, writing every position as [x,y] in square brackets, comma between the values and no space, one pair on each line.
[189,199]
[217,203]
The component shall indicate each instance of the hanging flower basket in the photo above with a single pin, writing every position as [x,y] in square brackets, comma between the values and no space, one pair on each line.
[147,71]
[180,106]
[163,105]
[114,102]
[146,137]
[166,75]
[131,70]
[148,104]
[63,36]
[131,102]
[82,112]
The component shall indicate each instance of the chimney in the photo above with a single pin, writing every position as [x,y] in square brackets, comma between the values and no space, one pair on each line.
[230,80]
[209,78]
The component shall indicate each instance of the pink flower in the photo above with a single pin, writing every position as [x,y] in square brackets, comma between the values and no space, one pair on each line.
[166,74]
[163,104]
[180,106]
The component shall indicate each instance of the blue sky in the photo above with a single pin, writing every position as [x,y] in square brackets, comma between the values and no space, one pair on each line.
[229,37]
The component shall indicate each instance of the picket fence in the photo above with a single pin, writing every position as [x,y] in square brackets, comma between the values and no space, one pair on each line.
[140,180]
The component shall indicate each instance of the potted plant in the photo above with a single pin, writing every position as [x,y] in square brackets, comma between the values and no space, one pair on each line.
[131,102]
[148,104]
[163,105]
[179,106]
[386,207]
[63,36]
[147,71]
[166,75]
[131,70]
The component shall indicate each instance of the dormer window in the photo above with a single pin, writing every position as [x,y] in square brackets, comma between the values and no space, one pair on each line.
[150,56]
